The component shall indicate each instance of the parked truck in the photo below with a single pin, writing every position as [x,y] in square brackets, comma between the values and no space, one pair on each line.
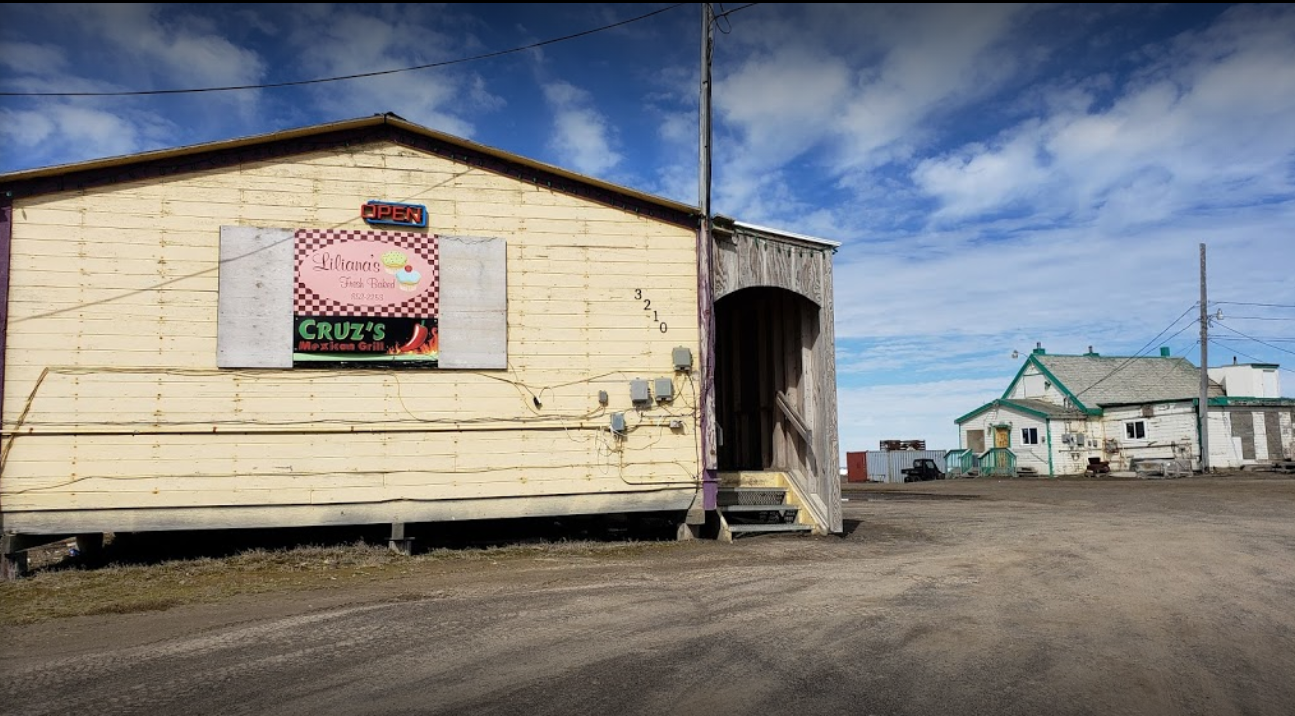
[922,469]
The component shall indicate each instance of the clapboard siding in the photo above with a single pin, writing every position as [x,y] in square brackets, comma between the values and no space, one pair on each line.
[113,311]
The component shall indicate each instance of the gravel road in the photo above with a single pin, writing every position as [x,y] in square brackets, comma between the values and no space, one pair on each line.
[946,598]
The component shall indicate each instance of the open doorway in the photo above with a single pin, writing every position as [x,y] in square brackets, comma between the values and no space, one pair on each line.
[764,382]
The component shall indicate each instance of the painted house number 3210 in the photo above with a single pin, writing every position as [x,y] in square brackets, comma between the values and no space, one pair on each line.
[651,312]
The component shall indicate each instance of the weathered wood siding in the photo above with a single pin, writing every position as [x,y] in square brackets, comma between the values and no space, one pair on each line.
[113,400]
[1244,435]
[748,259]
[1032,456]
[1170,432]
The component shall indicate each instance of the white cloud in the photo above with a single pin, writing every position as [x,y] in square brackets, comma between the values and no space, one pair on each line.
[28,58]
[95,132]
[182,48]
[336,40]
[580,134]
[1198,128]
[910,411]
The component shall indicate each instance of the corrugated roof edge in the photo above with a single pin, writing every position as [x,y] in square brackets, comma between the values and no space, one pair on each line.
[786,234]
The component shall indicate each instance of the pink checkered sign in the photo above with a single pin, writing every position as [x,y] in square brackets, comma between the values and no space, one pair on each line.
[366,274]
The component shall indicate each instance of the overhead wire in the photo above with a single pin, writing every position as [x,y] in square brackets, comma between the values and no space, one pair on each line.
[1256,340]
[726,27]
[1141,350]
[1245,303]
[360,75]
[1232,349]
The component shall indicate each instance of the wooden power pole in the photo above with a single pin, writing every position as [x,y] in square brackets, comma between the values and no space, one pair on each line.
[1204,413]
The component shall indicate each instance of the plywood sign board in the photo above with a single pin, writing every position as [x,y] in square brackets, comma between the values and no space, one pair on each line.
[361,298]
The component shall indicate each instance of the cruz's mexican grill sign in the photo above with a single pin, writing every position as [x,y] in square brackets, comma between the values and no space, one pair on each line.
[365,297]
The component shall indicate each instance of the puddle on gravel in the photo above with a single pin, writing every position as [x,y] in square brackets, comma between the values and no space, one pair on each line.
[881,496]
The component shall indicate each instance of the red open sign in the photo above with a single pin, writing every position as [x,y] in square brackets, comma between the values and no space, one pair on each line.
[394,214]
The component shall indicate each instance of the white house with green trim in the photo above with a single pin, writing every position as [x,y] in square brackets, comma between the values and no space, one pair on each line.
[1061,410]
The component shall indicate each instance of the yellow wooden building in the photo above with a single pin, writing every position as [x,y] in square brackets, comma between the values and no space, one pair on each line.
[370,322]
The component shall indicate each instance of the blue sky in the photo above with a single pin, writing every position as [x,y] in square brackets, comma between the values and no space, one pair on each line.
[1000,176]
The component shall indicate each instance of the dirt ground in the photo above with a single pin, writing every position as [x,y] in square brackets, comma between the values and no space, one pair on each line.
[994,597]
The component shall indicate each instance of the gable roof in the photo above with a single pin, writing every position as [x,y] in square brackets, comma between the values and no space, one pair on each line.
[1028,406]
[379,127]
[1092,381]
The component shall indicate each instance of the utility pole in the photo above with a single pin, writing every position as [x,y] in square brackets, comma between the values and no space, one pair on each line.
[705,274]
[1204,412]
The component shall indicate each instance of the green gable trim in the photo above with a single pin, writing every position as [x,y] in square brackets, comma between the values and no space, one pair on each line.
[974,413]
[1002,403]
[1170,401]
[1236,400]
[1079,404]
[1022,409]
[1017,379]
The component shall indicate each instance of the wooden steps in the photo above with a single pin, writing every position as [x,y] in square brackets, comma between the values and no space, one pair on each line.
[756,510]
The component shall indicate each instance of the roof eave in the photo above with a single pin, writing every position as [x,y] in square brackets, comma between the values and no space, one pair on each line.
[15,178]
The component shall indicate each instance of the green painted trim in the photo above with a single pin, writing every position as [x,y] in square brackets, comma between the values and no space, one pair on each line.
[974,413]
[1064,390]
[1255,402]
[1051,378]
[1003,403]
[1048,424]
[1166,401]
[1031,411]
[1017,379]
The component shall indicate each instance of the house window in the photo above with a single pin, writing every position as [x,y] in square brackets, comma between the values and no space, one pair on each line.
[1135,430]
[1030,436]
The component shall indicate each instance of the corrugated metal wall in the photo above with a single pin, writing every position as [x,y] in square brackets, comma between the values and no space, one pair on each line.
[887,466]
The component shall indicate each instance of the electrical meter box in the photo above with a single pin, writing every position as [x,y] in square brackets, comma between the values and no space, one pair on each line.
[682,358]
[639,394]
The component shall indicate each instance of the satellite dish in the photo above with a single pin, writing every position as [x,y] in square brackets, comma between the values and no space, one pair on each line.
[1015,355]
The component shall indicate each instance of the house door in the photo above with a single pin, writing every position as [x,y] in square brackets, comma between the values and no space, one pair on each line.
[976,441]
[1002,438]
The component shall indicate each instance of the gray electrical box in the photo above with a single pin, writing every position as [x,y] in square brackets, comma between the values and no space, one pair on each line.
[664,390]
[639,394]
[682,357]
[602,397]
[618,423]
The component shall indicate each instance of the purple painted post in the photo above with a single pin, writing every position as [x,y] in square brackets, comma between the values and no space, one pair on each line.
[6,236]
[706,312]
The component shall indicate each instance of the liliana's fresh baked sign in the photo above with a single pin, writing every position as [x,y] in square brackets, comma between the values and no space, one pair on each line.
[365,297]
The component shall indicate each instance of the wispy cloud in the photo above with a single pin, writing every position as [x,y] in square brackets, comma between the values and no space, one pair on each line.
[999,175]
[580,132]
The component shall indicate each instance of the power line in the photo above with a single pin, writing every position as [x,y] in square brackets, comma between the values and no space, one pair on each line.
[1265,305]
[1149,343]
[1256,340]
[1247,355]
[378,73]
[1234,350]
[726,13]
[725,27]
